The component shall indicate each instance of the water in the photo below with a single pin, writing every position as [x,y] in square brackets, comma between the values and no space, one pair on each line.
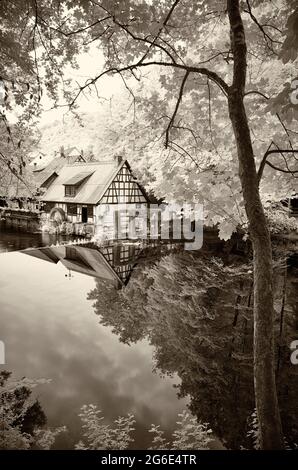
[50,331]
[96,321]
[13,240]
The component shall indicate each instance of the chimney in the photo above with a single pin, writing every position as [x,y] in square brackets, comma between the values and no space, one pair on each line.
[118,159]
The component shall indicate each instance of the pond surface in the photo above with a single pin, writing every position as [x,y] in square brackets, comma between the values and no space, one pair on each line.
[98,320]
[13,240]
[50,331]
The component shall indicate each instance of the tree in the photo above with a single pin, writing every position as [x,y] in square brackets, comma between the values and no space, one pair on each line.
[264,364]
[16,178]
[99,133]
[156,35]
[201,55]
[32,61]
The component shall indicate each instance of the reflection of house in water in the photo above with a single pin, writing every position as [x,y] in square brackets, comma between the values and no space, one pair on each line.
[112,263]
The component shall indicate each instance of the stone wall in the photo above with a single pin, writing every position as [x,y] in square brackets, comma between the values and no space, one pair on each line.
[20,220]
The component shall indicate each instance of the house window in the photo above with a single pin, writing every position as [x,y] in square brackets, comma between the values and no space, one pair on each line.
[70,190]
[90,212]
[72,209]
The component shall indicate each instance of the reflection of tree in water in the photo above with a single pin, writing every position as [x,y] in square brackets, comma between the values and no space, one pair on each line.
[22,419]
[197,313]
[21,415]
[287,331]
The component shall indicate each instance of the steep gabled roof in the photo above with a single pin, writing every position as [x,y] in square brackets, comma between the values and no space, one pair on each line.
[72,151]
[45,254]
[101,174]
[91,191]
[84,260]
[41,176]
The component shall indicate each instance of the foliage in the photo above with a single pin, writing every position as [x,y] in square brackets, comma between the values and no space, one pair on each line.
[158,441]
[189,320]
[189,434]
[208,73]
[22,417]
[101,436]
[15,176]
[32,61]
[253,432]
[199,163]
[105,132]
[279,220]
[215,72]
[196,311]
[23,420]
[290,46]
[170,43]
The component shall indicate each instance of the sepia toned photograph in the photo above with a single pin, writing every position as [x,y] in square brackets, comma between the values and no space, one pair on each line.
[149,231]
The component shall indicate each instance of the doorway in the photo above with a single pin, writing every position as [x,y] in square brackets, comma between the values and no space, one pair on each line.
[84,215]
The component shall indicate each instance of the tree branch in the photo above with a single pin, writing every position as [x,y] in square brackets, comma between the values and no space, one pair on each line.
[213,76]
[77,31]
[210,116]
[167,18]
[281,169]
[256,92]
[14,172]
[182,152]
[185,128]
[268,39]
[145,40]
[285,128]
[176,108]
[279,151]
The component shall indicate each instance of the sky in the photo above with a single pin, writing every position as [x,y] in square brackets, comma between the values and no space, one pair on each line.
[90,64]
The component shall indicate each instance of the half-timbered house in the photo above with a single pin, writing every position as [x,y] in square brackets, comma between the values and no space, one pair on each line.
[76,191]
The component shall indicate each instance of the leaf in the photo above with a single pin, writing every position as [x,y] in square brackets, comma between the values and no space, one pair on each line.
[226,229]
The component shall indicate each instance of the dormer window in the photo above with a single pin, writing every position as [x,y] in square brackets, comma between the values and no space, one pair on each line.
[70,190]
[73,185]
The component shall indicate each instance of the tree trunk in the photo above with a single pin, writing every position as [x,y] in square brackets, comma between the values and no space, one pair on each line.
[264,357]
